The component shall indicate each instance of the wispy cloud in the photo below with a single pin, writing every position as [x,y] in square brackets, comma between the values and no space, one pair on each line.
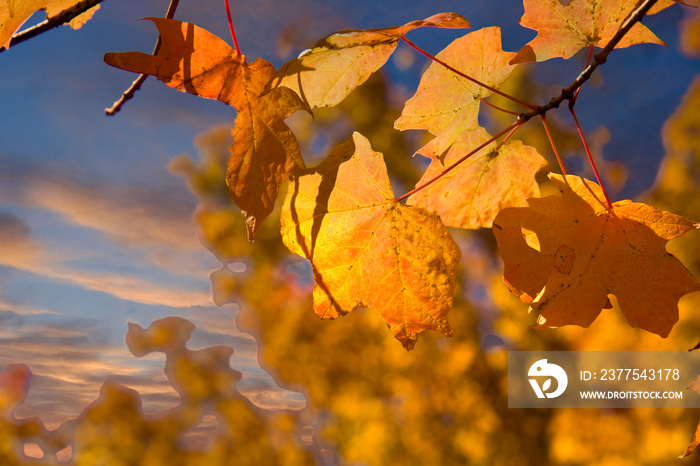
[133,288]
[16,245]
[125,214]
[151,230]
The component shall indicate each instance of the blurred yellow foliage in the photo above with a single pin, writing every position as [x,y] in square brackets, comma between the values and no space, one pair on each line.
[690,33]
[370,402]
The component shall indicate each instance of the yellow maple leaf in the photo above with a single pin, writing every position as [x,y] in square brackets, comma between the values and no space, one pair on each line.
[338,63]
[492,179]
[447,104]
[368,250]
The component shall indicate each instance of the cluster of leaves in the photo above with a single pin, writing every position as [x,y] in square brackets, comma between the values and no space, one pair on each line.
[445,402]
[372,407]
[564,254]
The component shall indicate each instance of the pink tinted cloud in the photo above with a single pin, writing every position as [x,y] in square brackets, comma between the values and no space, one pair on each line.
[149,228]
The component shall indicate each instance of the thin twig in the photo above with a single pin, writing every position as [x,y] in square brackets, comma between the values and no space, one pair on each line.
[571,92]
[568,94]
[598,59]
[49,23]
[127,94]
[136,85]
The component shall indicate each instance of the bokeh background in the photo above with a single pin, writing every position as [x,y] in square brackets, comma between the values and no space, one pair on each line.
[106,221]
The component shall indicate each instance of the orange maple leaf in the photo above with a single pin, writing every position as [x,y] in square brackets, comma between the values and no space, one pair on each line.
[368,250]
[597,252]
[447,104]
[695,386]
[525,270]
[492,179]
[264,151]
[563,30]
[324,75]
[693,445]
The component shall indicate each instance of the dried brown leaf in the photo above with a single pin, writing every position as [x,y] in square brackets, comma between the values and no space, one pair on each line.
[264,151]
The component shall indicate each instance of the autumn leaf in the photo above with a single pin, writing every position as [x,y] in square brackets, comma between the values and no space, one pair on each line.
[693,445]
[79,21]
[264,150]
[525,270]
[470,195]
[600,252]
[447,104]
[695,386]
[563,30]
[14,13]
[338,63]
[368,250]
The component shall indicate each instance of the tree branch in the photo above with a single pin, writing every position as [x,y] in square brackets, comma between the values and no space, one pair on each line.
[136,85]
[568,94]
[49,23]
[599,58]
[571,92]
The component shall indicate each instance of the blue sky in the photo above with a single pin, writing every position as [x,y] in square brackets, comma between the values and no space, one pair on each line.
[94,230]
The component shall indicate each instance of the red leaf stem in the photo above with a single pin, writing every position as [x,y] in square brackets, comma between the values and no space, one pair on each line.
[551,142]
[465,76]
[230,26]
[499,108]
[509,129]
[588,153]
